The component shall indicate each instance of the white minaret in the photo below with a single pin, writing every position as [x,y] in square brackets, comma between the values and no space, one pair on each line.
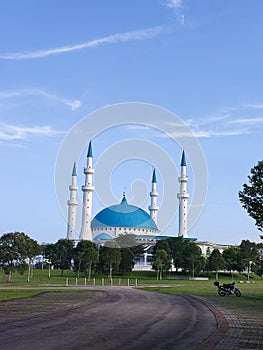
[153,208]
[183,197]
[87,189]
[72,205]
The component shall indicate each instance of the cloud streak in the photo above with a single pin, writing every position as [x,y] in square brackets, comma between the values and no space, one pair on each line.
[73,104]
[143,34]
[10,132]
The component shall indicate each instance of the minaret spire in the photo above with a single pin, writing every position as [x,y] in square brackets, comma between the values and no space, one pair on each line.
[72,205]
[153,208]
[87,189]
[183,197]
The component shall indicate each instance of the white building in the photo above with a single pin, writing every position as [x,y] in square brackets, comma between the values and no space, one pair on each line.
[124,218]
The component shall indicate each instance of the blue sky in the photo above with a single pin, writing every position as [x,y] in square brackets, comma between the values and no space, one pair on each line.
[62,60]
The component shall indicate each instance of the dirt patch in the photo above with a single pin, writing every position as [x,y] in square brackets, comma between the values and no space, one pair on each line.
[46,304]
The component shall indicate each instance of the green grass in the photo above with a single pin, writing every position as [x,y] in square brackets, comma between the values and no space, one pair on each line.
[250,302]
[10,294]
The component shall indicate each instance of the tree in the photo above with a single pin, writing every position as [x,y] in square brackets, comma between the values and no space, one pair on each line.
[176,248]
[15,247]
[163,244]
[248,254]
[252,195]
[49,252]
[63,254]
[9,255]
[161,262]
[231,256]
[127,260]
[192,259]
[257,266]
[85,255]
[129,247]
[216,262]
[110,256]
[30,249]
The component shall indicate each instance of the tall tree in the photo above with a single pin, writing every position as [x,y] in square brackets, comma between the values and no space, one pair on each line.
[248,254]
[192,260]
[9,255]
[252,195]
[15,247]
[64,254]
[257,266]
[231,256]
[216,262]
[85,255]
[161,262]
[110,256]
[177,253]
[127,260]
[30,249]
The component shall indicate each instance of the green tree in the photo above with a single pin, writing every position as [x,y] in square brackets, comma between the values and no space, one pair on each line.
[163,244]
[63,254]
[49,252]
[110,256]
[161,262]
[30,249]
[216,262]
[12,252]
[252,195]
[231,256]
[127,260]
[192,260]
[177,252]
[129,247]
[257,266]
[248,254]
[85,255]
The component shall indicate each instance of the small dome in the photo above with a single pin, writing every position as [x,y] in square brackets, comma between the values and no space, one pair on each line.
[102,236]
[123,215]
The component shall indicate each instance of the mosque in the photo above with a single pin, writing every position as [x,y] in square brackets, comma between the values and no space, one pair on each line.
[124,218]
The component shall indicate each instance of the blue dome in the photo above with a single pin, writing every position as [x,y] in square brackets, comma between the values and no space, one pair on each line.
[123,215]
[102,236]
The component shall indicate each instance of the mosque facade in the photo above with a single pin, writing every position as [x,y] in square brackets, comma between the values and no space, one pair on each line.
[124,218]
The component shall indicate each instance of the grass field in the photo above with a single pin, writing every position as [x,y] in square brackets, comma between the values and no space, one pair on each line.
[251,300]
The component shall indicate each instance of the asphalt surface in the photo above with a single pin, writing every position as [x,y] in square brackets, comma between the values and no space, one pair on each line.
[119,318]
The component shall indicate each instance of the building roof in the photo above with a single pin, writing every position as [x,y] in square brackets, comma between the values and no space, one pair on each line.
[183,161]
[123,215]
[74,172]
[90,150]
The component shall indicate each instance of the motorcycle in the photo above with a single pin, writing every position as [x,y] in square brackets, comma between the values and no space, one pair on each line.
[227,289]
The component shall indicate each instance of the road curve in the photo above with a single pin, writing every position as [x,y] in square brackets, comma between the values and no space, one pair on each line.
[121,318]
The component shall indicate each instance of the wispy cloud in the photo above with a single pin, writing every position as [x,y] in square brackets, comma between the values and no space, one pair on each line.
[177,7]
[231,121]
[143,34]
[175,4]
[73,104]
[10,132]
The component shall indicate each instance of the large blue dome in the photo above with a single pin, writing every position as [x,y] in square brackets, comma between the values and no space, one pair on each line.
[123,215]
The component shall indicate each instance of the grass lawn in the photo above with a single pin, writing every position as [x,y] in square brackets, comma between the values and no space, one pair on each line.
[251,301]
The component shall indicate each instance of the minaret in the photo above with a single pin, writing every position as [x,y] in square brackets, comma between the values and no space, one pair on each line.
[153,208]
[87,189]
[72,205]
[183,197]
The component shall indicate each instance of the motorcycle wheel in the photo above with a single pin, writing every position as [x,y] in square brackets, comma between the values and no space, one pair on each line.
[237,293]
[221,293]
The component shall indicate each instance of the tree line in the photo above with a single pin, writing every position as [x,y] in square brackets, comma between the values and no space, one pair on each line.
[187,257]
[18,252]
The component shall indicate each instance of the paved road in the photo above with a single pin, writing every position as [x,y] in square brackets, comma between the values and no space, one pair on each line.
[120,318]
